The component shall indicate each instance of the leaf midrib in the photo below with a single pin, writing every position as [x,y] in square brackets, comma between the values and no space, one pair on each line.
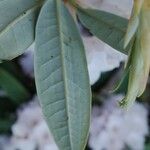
[58,14]
[20,17]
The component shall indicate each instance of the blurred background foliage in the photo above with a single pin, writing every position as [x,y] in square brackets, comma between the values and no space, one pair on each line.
[15,89]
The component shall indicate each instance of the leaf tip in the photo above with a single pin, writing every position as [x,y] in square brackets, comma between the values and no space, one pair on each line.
[125,103]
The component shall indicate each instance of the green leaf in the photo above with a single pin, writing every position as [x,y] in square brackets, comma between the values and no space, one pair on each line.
[5,125]
[61,76]
[108,27]
[135,75]
[133,22]
[13,88]
[17,26]
[123,84]
[147,146]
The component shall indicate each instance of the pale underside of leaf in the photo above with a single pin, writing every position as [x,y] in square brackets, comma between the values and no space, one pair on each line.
[17,26]
[131,31]
[108,27]
[61,76]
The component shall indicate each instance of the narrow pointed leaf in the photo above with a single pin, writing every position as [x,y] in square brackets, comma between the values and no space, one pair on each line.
[108,27]
[17,26]
[145,42]
[135,74]
[61,76]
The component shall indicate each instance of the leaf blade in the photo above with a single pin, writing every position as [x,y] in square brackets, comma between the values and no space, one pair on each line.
[108,27]
[17,26]
[62,80]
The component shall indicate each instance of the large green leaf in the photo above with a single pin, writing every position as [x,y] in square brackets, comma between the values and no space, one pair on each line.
[106,26]
[17,26]
[61,76]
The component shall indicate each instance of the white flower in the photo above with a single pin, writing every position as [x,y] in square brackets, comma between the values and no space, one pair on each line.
[50,147]
[43,136]
[28,117]
[118,7]
[30,130]
[100,57]
[26,61]
[4,140]
[21,144]
[113,128]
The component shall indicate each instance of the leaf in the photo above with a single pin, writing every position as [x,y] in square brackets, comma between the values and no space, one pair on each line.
[12,87]
[139,60]
[17,26]
[147,146]
[123,84]
[5,125]
[61,76]
[135,75]
[144,28]
[133,22]
[108,27]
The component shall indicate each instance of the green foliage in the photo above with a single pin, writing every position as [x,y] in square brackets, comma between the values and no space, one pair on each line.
[60,64]
[13,88]
[134,22]
[138,61]
[13,93]
[5,125]
[147,146]
[108,27]
[17,23]
[123,84]
[62,77]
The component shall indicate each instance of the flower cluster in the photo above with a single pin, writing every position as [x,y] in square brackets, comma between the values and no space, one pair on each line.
[30,130]
[113,128]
